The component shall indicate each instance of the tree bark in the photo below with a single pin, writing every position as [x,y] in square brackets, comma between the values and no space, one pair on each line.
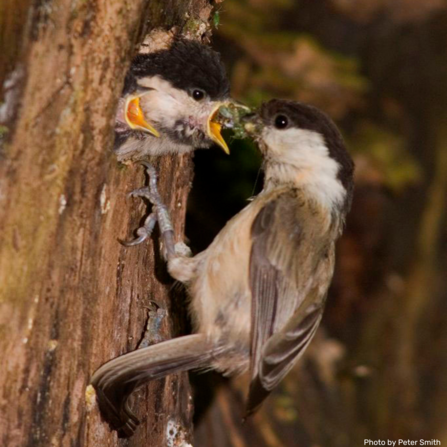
[71,297]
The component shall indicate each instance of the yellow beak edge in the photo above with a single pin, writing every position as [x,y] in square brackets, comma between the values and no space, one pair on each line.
[214,130]
[135,118]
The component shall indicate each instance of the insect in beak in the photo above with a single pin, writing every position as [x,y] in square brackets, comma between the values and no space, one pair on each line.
[252,124]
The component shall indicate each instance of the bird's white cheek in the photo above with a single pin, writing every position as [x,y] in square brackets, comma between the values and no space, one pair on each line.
[283,143]
[164,104]
[303,158]
[272,141]
[159,107]
[294,143]
[182,114]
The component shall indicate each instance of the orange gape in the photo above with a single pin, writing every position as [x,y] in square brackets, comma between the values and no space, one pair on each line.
[135,118]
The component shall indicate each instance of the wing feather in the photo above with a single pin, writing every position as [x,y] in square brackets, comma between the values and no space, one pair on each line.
[274,286]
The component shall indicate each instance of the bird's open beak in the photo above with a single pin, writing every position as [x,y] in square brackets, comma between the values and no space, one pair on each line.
[135,118]
[214,129]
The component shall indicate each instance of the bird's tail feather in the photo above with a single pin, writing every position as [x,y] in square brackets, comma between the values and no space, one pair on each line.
[117,379]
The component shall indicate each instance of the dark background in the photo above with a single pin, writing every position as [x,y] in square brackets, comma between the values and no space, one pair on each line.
[378,367]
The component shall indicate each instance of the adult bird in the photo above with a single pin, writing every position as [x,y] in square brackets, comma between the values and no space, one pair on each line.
[259,290]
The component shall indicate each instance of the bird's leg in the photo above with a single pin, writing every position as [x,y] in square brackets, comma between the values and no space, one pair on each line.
[180,264]
[160,214]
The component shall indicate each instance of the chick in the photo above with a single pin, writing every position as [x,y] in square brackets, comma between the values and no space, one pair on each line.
[169,100]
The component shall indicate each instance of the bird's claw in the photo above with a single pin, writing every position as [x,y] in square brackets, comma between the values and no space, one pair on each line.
[155,305]
[159,214]
[143,232]
[149,192]
[140,192]
[160,209]
[142,236]
[146,193]
[152,334]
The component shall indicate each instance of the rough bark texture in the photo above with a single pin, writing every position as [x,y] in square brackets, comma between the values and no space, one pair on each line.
[71,296]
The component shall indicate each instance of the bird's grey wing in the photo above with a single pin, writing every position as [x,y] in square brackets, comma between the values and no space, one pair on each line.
[264,281]
[276,238]
[281,352]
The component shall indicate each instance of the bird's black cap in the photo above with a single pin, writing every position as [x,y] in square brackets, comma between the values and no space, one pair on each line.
[186,65]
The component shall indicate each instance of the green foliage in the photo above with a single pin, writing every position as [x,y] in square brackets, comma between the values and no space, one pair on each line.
[3,131]
[284,62]
[285,408]
[216,19]
[387,151]
[273,58]
[241,168]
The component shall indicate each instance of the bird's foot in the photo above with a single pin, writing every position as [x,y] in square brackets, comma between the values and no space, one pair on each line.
[160,214]
[155,318]
[143,232]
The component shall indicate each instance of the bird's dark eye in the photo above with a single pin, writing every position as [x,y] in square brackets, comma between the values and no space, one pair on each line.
[281,122]
[198,94]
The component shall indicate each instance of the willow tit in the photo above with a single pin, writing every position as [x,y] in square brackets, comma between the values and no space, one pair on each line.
[259,290]
[169,100]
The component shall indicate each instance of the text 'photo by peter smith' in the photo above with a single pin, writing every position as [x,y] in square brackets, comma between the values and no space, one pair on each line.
[223,223]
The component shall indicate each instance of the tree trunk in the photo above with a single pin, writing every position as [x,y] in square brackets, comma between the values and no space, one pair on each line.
[71,296]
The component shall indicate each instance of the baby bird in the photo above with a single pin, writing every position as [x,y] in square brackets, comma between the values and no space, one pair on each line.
[259,290]
[169,100]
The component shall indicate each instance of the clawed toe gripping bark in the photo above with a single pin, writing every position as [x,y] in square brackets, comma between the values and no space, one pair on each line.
[160,214]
